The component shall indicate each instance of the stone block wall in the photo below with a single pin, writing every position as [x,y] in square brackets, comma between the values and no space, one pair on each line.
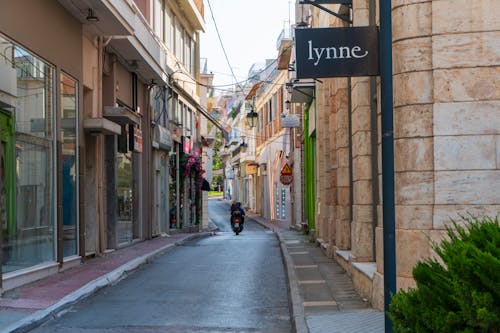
[447,119]
[413,79]
[446,78]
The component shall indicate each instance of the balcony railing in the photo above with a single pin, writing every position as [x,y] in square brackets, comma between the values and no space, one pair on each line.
[285,34]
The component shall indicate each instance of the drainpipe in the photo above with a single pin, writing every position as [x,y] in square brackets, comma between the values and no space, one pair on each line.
[81,194]
[374,141]
[177,186]
[387,156]
[99,155]
[147,153]
[59,187]
[349,122]
[3,206]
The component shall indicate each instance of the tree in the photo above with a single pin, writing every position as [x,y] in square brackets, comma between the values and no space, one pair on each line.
[217,160]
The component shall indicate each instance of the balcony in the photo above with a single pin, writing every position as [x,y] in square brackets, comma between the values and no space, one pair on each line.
[284,45]
[114,16]
[194,11]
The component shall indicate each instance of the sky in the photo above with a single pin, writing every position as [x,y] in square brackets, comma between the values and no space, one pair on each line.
[249,30]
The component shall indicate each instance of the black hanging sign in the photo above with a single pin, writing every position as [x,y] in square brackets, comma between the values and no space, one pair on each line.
[337,52]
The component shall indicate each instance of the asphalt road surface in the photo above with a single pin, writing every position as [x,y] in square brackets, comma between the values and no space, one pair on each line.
[224,283]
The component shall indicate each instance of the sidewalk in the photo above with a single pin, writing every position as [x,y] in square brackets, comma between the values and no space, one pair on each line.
[323,298]
[29,306]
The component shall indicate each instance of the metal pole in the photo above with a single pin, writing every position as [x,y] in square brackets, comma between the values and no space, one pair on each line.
[387,156]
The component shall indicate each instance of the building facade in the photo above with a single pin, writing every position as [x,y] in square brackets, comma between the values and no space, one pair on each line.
[99,112]
[446,130]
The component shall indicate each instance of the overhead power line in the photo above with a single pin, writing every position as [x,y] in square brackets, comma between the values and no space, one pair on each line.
[222,45]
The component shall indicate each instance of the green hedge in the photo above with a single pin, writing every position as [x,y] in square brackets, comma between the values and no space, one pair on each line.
[460,293]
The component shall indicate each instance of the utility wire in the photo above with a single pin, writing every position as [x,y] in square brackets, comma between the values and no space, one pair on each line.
[222,45]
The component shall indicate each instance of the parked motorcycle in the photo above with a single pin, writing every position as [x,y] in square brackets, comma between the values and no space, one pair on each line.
[237,220]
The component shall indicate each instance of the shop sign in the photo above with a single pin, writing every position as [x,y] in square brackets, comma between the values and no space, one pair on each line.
[290,120]
[163,138]
[337,52]
[251,169]
[196,149]
[137,140]
[286,177]
[176,132]
[186,145]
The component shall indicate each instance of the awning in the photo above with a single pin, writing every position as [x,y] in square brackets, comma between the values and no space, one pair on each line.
[253,91]
[122,115]
[285,52]
[302,92]
[101,126]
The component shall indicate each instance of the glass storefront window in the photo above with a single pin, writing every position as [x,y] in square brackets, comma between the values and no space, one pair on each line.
[69,104]
[124,224]
[27,159]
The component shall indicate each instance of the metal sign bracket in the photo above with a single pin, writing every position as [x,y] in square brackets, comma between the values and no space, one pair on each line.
[317,3]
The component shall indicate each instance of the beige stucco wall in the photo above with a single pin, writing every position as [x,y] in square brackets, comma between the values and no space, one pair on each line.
[46,29]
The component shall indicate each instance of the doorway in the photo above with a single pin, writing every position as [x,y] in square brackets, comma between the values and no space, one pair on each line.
[8,189]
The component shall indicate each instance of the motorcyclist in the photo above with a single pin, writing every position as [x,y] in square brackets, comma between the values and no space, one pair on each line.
[236,206]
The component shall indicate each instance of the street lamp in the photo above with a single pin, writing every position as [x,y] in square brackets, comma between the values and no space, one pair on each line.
[252,118]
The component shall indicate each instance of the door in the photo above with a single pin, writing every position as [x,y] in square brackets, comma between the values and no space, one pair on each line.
[164,216]
[7,186]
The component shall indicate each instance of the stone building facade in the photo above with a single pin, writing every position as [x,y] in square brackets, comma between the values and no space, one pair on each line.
[446,74]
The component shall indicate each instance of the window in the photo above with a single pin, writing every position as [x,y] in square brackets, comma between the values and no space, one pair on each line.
[157,99]
[169,36]
[158,18]
[179,41]
[188,60]
[261,119]
[178,112]
[28,141]
[193,57]
[270,110]
[274,102]
[68,116]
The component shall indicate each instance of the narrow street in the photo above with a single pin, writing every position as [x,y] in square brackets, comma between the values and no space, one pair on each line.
[217,284]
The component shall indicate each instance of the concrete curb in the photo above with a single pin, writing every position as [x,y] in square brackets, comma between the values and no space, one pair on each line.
[298,317]
[38,318]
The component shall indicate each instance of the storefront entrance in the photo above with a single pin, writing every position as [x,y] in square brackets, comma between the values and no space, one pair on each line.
[28,159]
[7,189]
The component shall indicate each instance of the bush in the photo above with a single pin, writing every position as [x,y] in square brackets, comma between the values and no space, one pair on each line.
[463,293]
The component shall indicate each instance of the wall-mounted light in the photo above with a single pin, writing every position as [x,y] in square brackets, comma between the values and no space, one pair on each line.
[91,17]
[252,116]
[243,144]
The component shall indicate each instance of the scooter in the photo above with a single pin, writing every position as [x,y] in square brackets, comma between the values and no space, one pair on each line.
[237,220]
